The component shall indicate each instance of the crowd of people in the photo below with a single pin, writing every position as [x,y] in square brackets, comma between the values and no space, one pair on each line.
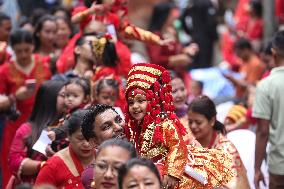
[79,108]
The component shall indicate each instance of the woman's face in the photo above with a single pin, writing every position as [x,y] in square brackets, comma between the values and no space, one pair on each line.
[80,145]
[23,52]
[179,93]
[200,126]
[139,177]
[63,33]
[47,34]
[60,105]
[108,125]
[85,51]
[108,162]
[108,95]
[137,106]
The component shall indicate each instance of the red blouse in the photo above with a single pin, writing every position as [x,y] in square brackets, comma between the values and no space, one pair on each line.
[63,178]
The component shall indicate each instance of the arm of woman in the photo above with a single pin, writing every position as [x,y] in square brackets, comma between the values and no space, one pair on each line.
[19,162]
[137,33]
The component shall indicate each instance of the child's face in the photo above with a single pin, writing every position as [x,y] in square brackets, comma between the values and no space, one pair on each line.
[74,96]
[137,105]
[179,93]
[108,95]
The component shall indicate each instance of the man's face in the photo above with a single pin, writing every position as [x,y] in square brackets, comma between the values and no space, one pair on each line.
[5,30]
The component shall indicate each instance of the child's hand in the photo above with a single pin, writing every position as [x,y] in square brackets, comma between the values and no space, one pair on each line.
[170,182]
[49,152]
[51,135]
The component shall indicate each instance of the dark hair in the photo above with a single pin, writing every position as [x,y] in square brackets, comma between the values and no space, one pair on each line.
[44,111]
[205,106]
[123,170]
[243,44]
[278,43]
[110,56]
[82,82]
[3,17]
[80,42]
[89,119]
[120,143]
[21,36]
[88,3]
[75,121]
[37,14]
[256,7]
[60,8]
[267,48]
[107,82]
[39,26]
[160,15]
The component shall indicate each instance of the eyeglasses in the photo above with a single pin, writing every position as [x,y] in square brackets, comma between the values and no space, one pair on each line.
[102,168]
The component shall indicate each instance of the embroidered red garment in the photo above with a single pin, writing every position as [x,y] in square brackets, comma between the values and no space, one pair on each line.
[63,178]
[10,81]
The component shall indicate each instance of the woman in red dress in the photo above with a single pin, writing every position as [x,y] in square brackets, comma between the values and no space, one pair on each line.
[24,162]
[71,161]
[20,79]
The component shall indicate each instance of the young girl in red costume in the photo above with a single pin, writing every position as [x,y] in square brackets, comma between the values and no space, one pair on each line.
[157,133]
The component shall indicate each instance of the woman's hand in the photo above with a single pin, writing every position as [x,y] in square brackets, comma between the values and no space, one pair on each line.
[24,93]
[170,182]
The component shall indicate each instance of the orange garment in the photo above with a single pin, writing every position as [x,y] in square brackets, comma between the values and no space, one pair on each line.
[252,70]
[240,180]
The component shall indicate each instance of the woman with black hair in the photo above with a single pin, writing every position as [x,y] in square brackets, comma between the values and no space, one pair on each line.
[111,155]
[71,161]
[210,133]
[45,36]
[24,162]
[138,173]
[20,80]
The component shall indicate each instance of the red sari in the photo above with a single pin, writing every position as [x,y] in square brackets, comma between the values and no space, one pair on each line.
[10,81]
[65,178]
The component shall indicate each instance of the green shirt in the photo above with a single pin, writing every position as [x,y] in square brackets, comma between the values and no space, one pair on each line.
[269,105]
